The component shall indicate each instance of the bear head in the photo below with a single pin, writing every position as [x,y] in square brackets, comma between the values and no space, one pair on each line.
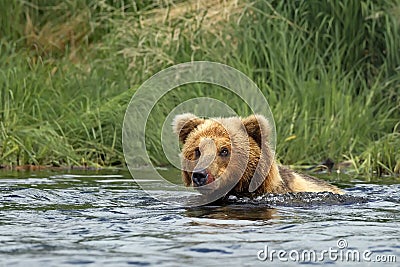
[230,155]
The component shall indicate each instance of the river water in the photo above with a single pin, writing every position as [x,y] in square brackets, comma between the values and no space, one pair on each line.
[104,218]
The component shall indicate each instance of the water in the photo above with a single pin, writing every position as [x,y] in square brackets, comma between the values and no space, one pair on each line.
[104,218]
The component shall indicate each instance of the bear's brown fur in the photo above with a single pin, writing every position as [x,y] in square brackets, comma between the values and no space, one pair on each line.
[234,152]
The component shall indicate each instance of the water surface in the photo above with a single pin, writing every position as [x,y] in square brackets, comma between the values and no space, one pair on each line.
[104,218]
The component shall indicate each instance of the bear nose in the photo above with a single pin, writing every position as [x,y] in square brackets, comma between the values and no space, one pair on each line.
[199,178]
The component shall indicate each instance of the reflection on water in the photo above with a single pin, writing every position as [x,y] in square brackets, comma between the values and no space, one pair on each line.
[234,212]
[104,218]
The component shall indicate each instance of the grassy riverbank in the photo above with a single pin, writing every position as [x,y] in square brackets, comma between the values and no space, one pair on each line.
[330,71]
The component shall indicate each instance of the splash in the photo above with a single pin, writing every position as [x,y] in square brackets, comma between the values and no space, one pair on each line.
[300,199]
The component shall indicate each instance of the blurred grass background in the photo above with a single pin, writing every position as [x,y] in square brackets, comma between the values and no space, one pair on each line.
[330,70]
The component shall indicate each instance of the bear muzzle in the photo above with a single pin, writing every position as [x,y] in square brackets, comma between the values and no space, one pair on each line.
[201,178]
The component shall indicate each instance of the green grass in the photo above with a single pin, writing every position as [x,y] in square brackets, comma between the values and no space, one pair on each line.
[329,69]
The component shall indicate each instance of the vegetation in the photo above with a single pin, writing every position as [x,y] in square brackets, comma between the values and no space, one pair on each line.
[329,69]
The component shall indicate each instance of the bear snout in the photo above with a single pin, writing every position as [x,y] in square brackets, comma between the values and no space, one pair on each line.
[200,178]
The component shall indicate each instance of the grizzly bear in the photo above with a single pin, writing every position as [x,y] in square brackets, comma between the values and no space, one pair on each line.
[233,156]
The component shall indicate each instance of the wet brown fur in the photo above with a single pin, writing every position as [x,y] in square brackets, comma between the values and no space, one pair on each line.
[243,138]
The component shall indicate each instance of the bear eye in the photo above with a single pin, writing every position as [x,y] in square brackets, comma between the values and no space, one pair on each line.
[224,152]
[197,153]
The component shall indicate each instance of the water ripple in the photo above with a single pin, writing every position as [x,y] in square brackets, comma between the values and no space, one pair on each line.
[62,219]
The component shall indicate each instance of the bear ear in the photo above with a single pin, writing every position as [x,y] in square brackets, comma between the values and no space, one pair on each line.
[257,126]
[184,124]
